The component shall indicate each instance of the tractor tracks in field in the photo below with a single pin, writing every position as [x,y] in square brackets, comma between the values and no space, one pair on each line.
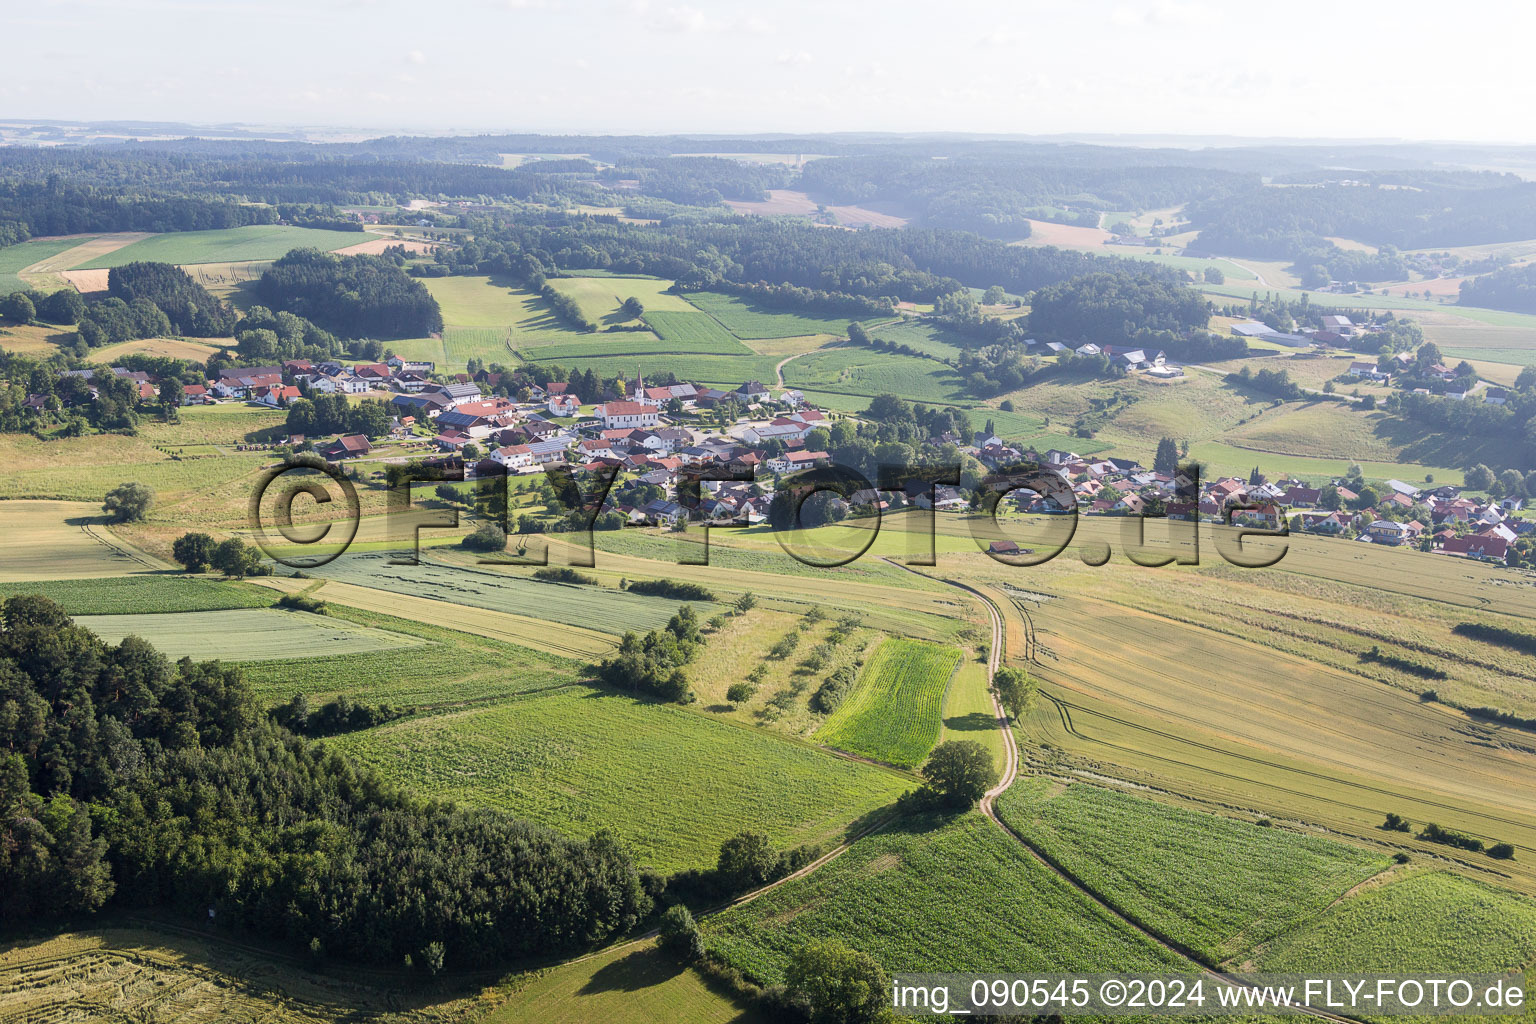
[1010,774]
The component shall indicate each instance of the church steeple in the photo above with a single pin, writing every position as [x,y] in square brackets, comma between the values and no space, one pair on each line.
[639,383]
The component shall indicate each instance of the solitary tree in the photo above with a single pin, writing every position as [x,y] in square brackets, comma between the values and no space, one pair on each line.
[960,772]
[840,985]
[632,308]
[235,558]
[680,934]
[127,503]
[1015,690]
[193,551]
[1167,458]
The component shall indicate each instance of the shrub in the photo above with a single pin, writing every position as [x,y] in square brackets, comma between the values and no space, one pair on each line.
[1501,851]
[679,934]
[672,588]
[128,502]
[193,551]
[740,693]
[303,603]
[565,575]
[486,537]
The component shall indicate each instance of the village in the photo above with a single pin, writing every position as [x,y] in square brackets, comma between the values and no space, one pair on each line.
[657,434]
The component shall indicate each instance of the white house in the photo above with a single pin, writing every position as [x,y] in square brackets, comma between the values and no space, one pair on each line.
[562,405]
[628,415]
[514,456]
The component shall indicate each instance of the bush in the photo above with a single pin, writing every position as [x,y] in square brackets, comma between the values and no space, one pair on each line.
[303,603]
[673,589]
[740,693]
[486,537]
[235,558]
[1501,851]
[680,934]
[1446,837]
[564,575]
[833,691]
[1394,823]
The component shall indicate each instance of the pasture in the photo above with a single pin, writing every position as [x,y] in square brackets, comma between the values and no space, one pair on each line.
[1218,885]
[476,301]
[246,634]
[225,245]
[895,710]
[865,373]
[38,340]
[927,894]
[672,783]
[62,540]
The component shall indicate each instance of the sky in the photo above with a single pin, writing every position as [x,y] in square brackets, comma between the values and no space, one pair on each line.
[1341,69]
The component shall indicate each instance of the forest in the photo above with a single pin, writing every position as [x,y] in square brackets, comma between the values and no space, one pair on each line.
[129,781]
[351,296]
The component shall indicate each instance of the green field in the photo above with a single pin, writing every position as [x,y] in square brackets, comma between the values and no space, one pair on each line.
[477,301]
[606,609]
[14,258]
[717,371]
[868,372]
[929,339]
[935,895]
[1217,885]
[601,297]
[672,783]
[247,634]
[1431,921]
[226,245]
[125,595]
[455,668]
[694,332]
[896,708]
[747,320]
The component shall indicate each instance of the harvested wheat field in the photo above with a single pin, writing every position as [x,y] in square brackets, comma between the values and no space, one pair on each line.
[375,246]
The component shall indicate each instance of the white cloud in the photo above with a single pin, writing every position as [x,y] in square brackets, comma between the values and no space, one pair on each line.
[416,57]
[794,57]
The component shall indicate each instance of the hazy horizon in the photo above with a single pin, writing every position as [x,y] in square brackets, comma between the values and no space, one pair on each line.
[1193,68]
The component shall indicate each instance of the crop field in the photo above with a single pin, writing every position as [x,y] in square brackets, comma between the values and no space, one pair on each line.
[1429,921]
[138,973]
[694,332]
[223,424]
[935,895]
[33,339]
[672,783]
[867,372]
[747,320]
[928,339]
[601,297]
[61,540]
[16,258]
[618,357]
[86,468]
[1333,430]
[604,609]
[521,630]
[449,668]
[1217,885]
[246,634]
[895,710]
[226,245]
[124,595]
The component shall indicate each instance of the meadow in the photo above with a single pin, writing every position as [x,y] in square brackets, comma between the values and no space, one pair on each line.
[1219,886]
[747,319]
[225,245]
[600,297]
[868,372]
[934,894]
[247,634]
[895,710]
[673,784]
[171,348]
[929,339]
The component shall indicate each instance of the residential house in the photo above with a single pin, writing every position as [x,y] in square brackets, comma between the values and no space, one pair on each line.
[514,457]
[349,446]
